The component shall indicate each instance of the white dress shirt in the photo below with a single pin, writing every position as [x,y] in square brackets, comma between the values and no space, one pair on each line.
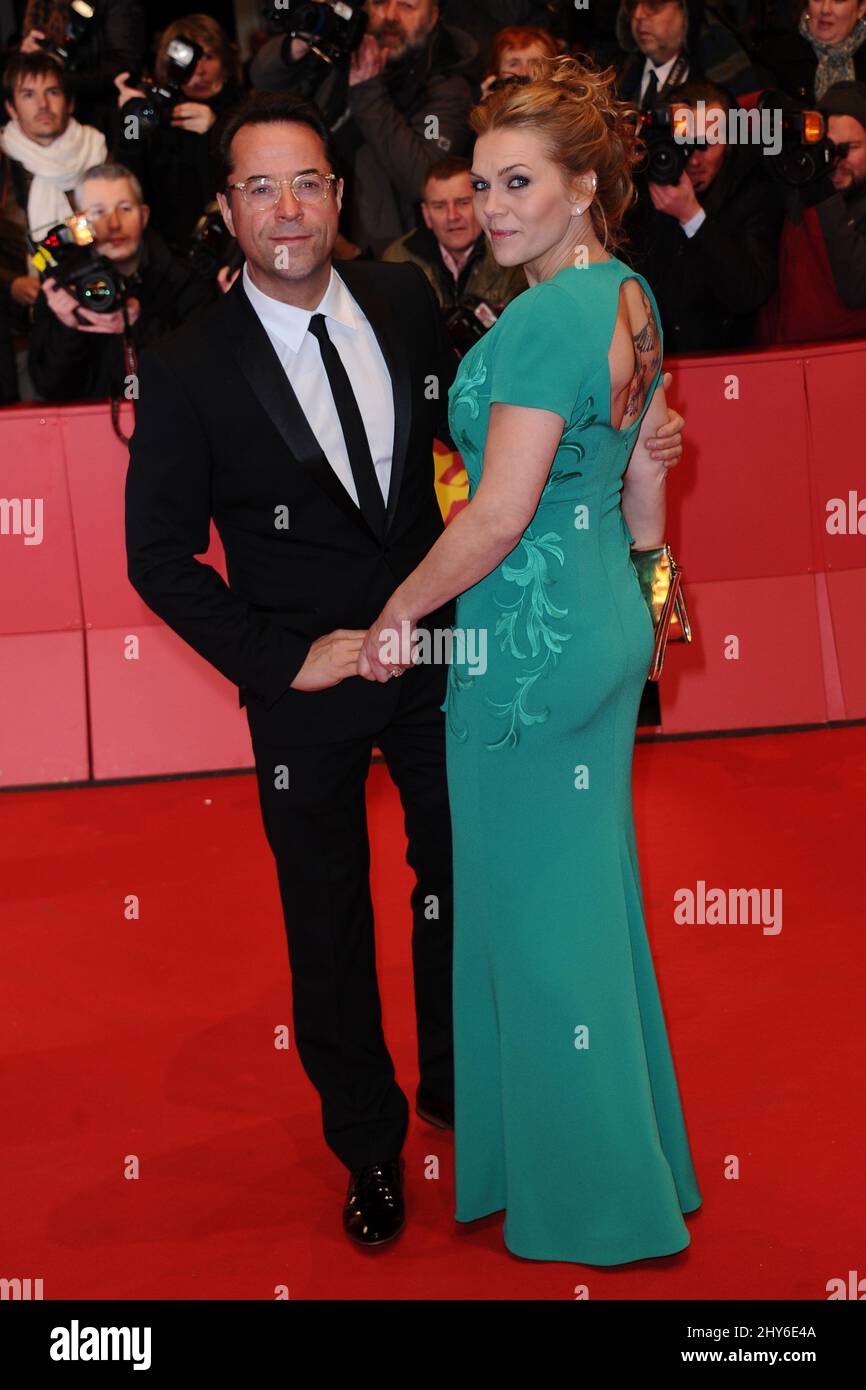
[661,74]
[300,355]
[694,222]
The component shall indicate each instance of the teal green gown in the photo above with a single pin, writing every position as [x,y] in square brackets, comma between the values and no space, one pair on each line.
[567,1110]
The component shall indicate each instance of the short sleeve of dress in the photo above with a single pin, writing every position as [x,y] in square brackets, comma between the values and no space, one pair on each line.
[536,354]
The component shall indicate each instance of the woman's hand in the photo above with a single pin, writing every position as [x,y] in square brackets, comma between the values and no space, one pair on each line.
[193,115]
[387,648]
[666,445]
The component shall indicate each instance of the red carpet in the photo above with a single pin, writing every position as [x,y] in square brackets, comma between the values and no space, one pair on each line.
[152,1040]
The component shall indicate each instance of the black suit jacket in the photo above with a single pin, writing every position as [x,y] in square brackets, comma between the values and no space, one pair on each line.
[710,286]
[220,433]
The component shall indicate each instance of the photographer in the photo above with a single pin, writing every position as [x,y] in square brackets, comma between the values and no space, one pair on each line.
[400,102]
[78,353]
[114,40]
[822,271]
[451,248]
[173,161]
[43,153]
[671,41]
[709,247]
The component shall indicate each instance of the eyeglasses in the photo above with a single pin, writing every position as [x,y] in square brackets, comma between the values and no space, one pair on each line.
[265,192]
[97,213]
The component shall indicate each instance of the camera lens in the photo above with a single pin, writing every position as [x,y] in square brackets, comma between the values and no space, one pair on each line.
[661,166]
[98,293]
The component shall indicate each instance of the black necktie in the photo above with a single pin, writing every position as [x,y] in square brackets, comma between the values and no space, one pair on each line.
[357,445]
[649,96]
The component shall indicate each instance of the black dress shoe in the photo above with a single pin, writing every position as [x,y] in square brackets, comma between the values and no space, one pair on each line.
[436,1112]
[374,1203]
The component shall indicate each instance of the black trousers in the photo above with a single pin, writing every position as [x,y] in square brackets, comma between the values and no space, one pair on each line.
[317,829]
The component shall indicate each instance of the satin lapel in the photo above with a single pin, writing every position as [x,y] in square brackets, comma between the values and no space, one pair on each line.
[391,337]
[264,372]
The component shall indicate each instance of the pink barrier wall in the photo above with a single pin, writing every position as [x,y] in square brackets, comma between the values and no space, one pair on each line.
[772,438]
[93,685]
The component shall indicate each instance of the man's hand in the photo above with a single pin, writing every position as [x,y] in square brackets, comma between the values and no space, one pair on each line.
[24,289]
[193,115]
[368,60]
[226,277]
[300,46]
[678,200]
[31,43]
[66,308]
[666,445]
[125,92]
[330,660]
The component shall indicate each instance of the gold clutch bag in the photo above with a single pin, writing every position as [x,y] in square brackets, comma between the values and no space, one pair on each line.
[660,579]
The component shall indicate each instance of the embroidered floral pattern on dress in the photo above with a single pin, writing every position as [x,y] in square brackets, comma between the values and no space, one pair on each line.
[455,682]
[467,393]
[583,422]
[524,629]
[526,621]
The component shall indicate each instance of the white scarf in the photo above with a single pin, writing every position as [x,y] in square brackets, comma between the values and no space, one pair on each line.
[56,169]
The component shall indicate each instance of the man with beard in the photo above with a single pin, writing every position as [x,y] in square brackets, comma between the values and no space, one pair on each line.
[822,269]
[394,110]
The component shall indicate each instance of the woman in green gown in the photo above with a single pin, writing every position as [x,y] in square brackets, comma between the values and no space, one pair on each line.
[567,1109]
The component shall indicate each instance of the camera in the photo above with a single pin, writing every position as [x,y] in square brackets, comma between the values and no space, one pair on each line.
[468,322]
[667,155]
[838,150]
[333,29]
[67,253]
[75,26]
[212,245]
[806,152]
[155,107]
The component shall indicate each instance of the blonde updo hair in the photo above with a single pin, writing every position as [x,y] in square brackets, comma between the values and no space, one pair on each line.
[570,103]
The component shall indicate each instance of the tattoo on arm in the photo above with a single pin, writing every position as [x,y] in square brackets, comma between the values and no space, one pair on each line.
[647,356]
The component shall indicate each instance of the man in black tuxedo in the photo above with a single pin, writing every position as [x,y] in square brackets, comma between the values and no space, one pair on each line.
[290,411]
[223,429]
